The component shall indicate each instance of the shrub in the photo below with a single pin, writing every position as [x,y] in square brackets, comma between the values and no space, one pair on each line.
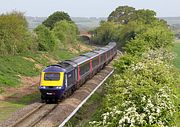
[14,34]
[45,39]
[65,31]
[154,37]
[143,95]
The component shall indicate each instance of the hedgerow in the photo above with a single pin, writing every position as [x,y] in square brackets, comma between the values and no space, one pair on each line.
[142,95]
[142,92]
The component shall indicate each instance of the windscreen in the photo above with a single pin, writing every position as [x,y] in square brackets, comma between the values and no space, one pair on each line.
[52,76]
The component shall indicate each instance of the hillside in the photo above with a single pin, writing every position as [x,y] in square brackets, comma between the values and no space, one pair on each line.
[26,53]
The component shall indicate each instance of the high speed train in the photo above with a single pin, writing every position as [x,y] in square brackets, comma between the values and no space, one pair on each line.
[62,79]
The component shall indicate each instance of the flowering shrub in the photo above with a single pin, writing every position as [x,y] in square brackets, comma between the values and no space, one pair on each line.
[142,95]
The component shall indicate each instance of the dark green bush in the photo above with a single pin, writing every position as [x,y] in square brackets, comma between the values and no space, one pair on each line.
[65,31]
[56,17]
[14,35]
[46,40]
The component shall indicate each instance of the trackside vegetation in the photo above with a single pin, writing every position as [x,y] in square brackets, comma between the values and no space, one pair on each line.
[143,92]
[25,53]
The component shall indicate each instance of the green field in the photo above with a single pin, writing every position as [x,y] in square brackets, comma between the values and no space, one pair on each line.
[176,62]
[176,50]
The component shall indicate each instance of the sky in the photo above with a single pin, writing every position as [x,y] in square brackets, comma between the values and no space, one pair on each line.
[88,8]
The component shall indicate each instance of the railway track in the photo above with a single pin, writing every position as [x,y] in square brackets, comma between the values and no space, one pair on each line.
[33,117]
[48,115]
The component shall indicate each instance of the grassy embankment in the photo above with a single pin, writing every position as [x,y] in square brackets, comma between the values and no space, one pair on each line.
[15,69]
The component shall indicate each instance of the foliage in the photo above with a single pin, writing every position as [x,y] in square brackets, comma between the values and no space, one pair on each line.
[14,35]
[126,14]
[65,31]
[124,24]
[56,17]
[143,94]
[122,14]
[45,39]
[153,37]
[104,33]
[146,16]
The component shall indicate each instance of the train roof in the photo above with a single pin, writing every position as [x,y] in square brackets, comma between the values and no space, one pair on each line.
[69,65]
[112,43]
[99,51]
[54,68]
[104,48]
[80,59]
[109,47]
[91,54]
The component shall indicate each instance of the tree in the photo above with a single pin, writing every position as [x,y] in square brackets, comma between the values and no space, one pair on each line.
[126,14]
[45,39]
[56,17]
[104,33]
[14,35]
[122,14]
[145,16]
[65,31]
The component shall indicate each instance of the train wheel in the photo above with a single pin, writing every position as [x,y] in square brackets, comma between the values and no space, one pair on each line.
[47,101]
[55,100]
[42,97]
[64,95]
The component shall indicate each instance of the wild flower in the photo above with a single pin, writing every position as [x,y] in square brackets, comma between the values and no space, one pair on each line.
[142,95]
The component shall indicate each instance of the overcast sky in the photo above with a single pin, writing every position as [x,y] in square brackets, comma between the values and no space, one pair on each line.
[88,8]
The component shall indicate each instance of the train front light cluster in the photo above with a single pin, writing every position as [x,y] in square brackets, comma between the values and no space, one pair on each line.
[42,87]
[58,87]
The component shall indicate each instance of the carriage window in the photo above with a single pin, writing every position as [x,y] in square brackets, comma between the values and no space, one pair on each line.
[102,57]
[51,76]
[95,62]
[84,68]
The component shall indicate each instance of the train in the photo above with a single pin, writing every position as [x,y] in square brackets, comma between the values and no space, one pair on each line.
[60,80]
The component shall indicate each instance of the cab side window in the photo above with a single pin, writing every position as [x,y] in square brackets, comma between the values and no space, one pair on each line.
[71,77]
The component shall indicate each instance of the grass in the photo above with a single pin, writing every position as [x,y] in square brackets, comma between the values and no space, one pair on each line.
[63,55]
[176,62]
[12,67]
[8,107]
[176,50]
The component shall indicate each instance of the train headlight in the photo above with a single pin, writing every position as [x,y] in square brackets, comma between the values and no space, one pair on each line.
[42,87]
[57,87]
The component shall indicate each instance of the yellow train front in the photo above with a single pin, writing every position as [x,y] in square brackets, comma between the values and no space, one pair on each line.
[52,84]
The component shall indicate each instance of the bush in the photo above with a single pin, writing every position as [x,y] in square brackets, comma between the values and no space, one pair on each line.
[104,33]
[46,40]
[65,31]
[153,37]
[143,95]
[14,35]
